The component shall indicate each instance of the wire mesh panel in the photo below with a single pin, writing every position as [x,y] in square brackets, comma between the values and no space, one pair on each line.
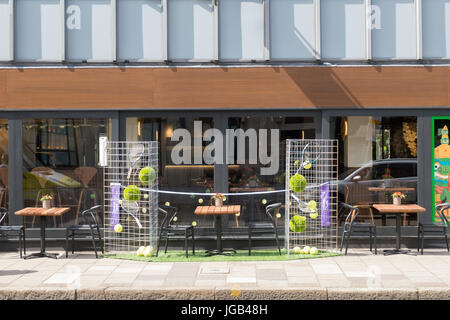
[311,194]
[131,208]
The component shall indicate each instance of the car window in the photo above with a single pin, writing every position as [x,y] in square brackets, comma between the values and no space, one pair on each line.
[382,171]
[403,170]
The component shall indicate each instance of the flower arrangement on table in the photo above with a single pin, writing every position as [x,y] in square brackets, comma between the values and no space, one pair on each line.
[219,198]
[46,201]
[397,197]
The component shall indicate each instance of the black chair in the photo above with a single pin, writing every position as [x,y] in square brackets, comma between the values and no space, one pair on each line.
[5,231]
[434,228]
[90,228]
[265,227]
[167,229]
[351,226]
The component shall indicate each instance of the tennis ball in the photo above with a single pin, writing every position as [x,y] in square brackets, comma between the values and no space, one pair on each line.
[148,251]
[200,200]
[314,215]
[313,251]
[297,250]
[297,183]
[297,223]
[207,191]
[237,214]
[118,228]
[175,218]
[297,163]
[167,203]
[194,223]
[145,196]
[312,205]
[306,249]
[140,251]
[132,193]
[307,165]
[147,175]
[144,210]
[278,215]
[224,198]
[264,201]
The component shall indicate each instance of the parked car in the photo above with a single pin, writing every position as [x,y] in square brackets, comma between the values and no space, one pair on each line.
[353,185]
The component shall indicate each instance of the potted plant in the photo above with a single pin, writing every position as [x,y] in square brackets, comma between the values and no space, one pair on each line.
[397,197]
[46,201]
[218,198]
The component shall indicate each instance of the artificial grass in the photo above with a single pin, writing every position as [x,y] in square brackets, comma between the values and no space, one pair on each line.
[240,255]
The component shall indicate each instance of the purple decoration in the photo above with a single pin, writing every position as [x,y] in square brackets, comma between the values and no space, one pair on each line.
[115,210]
[325,205]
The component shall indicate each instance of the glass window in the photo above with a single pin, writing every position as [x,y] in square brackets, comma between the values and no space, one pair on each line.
[38,30]
[181,169]
[378,156]
[139,30]
[393,29]
[241,29]
[191,30]
[292,30]
[343,29]
[245,172]
[89,30]
[60,158]
[436,29]
[5,30]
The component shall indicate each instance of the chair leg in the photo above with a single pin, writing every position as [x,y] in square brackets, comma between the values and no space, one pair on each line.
[93,242]
[418,239]
[167,243]
[278,243]
[193,242]
[348,240]
[375,239]
[186,242]
[24,241]
[423,240]
[67,243]
[342,240]
[73,242]
[100,239]
[157,245]
[20,244]
[249,241]
[370,238]
[446,239]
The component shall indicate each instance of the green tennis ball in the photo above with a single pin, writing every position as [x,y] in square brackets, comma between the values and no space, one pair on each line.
[297,223]
[313,251]
[132,193]
[297,183]
[312,205]
[147,175]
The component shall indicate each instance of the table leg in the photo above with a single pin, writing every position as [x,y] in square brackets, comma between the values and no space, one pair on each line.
[398,230]
[43,253]
[219,249]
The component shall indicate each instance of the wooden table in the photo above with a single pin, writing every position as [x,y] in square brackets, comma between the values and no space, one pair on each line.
[218,212]
[43,214]
[390,189]
[398,210]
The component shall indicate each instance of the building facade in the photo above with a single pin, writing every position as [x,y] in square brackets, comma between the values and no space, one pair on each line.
[373,74]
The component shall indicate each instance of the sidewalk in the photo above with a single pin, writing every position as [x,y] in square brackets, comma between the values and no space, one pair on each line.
[359,275]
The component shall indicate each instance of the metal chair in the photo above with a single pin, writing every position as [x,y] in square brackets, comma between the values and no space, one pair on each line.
[91,225]
[433,228]
[265,227]
[19,230]
[168,229]
[351,226]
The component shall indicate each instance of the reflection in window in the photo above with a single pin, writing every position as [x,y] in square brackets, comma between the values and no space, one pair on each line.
[241,28]
[343,29]
[191,29]
[190,177]
[395,35]
[38,29]
[88,30]
[292,32]
[139,30]
[5,30]
[435,29]
[60,158]
[248,178]
[378,153]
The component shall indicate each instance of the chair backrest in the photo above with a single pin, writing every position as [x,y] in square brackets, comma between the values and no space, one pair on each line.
[271,210]
[3,214]
[353,212]
[169,213]
[90,217]
[440,209]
